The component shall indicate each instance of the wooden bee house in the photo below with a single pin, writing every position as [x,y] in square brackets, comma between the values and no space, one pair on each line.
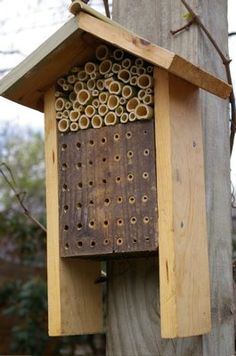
[124,167]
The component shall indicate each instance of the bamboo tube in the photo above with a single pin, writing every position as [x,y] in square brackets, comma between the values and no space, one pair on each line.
[95,93]
[139,62]
[100,84]
[107,82]
[76,105]
[95,75]
[91,84]
[103,97]
[90,67]
[109,75]
[78,86]
[102,52]
[74,126]
[126,63]
[148,99]
[60,104]
[144,81]
[141,70]
[67,87]
[115,87]
[65,114]
[102,109]
[82,76]
[115,68]
[149,91]
[132,116]
[110,119]
[81,108]
[124,75]
[74,115]
[95,103]
[143,111]
[133,70]
[59,115]
[105,67]
[96,121]
[113,102]
[71,79]
[123,101]
[128,92]
[132,104]
[124,118]
[150,69]
[89,111]
[59,94]
[119,110]
[63,125]
[72,96]
[118,54]
[84,122]
[84,97]
[61,81]
[68,105]
[141,94]
[133,80]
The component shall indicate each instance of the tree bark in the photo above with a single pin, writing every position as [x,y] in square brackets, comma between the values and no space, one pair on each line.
[133,287]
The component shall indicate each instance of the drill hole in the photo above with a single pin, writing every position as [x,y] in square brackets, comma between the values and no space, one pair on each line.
[132,199]
[90,163]
[118,179]
[91,183]
[80,185]
[145,132]
[146,219]
[147,238]
[106,241]
[130,177]
[128,134]
[64,187]
[117,158]
[104,159]
[79,205]
[78,165]
[64,166]
[107,201]
[92,224]
[146,152]
[116,137]
[145,175]
[133,220]
[80,244]
[66,207]
[144,198]
[91,202]
[104,140]
[66,228]
[130,154]
[91,142]
[119,200]
[78,145]
[105,223]
[120,222]
[92,243]
[119,241]
[64,147]
[79,226]
[66,246]
[134,241]
[104,181]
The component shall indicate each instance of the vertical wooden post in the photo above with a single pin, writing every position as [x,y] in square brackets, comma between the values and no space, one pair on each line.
[133,320]
[74,300]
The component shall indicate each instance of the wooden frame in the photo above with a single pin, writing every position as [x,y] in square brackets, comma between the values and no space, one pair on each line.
[74,300]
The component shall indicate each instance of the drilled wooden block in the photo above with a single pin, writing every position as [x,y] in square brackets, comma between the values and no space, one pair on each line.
[107,182]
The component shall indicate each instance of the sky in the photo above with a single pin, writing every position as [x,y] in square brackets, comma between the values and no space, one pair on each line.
[24,26]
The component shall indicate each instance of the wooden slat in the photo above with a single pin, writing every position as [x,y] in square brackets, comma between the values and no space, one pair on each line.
[183,256]
[154,54]
[74,300]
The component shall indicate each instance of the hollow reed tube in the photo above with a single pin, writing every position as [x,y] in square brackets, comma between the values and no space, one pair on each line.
[72,96]
[124,118]
[115,87]
[102,109]
[144,111]
[115,68]
[103,97]
[84,122]
[144,81]
[148,99]
[63,125]
[139,62]
[82,76]
[95,103]
[89,111]
[60,104]
[126,63]
[102,52]
[118,54]
[105,66]
[128,92]
[124,75]
[71,79]
[84,97]
[96,121]
[74,115]
[100,84]
[132,116]
[110,119]
[119,110]
[78,86]
[74,126]
[90,67]
[113,102]
[91,84]
[132,104]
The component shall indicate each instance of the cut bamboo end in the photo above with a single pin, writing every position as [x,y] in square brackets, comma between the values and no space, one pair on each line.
[116,67]
[59,94]
[113,102]
[61,81]
[102,52]
[110,119]
[71,79]
[67,87]
[74,126]
[133,70]
[95,75]
[123,101]
[63,125]
[68,105]
[141,94]
[133,80]
[126,63]
[132,104]
[96,121]
[75,69]
[91,84]
[124,75]
[74,115]
[107,82]
[119,110]
[143,111]
[115,87]
[95,93]
[60,104]
[95,103]
[105,66]
[148,99]
[139,62]
[100,84]
[84,122]
[66,114]
[141,70]
[78,86]
[89,111]
[76,105]
[59,115]
[72,97]
[149,91]
[82,76]
[102,109]
[124,118]
[84,97]
[144,81]
[90,67]
[128,92]
[81,108]
[132,116]
[150,69]
[118,54]
[103,97]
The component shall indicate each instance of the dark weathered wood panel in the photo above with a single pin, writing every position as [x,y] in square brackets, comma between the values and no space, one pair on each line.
[107,185]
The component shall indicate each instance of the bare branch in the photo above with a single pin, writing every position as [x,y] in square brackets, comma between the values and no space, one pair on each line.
[232,34]
[10,180]
[11,52]
[107,9]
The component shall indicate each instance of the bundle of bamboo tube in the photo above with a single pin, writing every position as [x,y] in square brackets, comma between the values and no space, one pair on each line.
[117,88]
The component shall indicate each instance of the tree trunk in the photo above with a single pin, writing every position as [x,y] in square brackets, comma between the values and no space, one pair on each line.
[133,287]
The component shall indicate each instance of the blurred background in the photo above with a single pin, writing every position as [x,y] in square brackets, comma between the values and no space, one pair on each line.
[23,294]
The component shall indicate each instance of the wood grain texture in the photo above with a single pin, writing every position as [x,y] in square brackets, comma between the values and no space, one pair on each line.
[184,284]
[107,185]
[74,300]
[158,19]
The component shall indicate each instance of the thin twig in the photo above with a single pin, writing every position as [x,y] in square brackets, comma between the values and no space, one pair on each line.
[232,34]
[107,9]
[226,61]
[18,194]
[183,28]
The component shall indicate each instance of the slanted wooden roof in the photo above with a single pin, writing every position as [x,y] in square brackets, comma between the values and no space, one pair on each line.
[75,43]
